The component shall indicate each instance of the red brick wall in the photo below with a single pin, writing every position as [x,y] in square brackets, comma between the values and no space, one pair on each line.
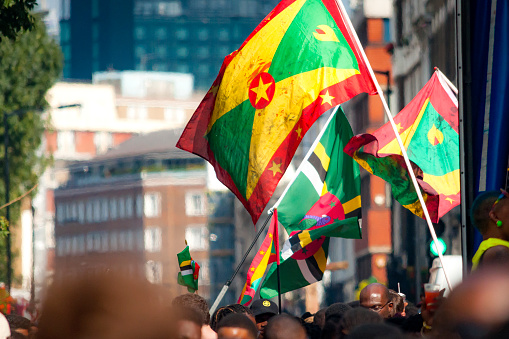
[85,142]
[51,142]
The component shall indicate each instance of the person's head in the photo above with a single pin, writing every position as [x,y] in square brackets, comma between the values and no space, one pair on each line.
[319,318]
[376,331]
[358,316]
[222,312]
[236,326]
[188,323]
[337,309]
[399,303]
[490,214]
[376,298]
[194,301]
[263,310]
[19,326]
[284,326]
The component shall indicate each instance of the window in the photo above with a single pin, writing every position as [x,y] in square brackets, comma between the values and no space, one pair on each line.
[68,212]
[204,275]
[74,211]
[154,271]
[74,246]
[81,212]
[195,204]
[114,241]
[102,141]
[122,241]
[59,247]
[60,213]
[197,237]
[139,206]
[140,241]
[203,34]
[182,68]
[65,142]
[97,210]
[153,239]
[121,208]
[129,207]
[130,240]
[97,241]
[68,245]
[113,209]
[161,51]
[182,52]
[140,33]
[104,209]
[81,244]
[104,241]
[161,33]
[203,52]
[181,34]
[89,212]
[223,34]
[90,242]
[152,204]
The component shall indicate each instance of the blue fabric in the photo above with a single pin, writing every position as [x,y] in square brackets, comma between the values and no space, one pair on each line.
[498,143]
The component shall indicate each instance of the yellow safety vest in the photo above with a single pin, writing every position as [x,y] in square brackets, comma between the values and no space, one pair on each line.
[484,246]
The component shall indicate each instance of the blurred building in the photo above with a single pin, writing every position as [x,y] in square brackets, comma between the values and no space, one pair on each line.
[372,22]
[186,36]
[425,37]
[116,107]
[132,209]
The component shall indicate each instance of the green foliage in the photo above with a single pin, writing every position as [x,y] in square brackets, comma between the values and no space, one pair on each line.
[15,16]
[29,65]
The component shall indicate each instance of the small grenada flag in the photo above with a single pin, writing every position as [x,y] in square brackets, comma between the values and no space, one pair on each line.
[323,201]
[299,62]
[267,254]
[428,127]
[189,271]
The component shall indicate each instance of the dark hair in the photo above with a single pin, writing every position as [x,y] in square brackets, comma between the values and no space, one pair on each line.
[222,312]
[480,210]
[376,331]
[195,302]
[358,316]
[283,326]
[331,329]
[319,318]
[16,321]
[397,300]
[240,321]
[187,313]
[337,309]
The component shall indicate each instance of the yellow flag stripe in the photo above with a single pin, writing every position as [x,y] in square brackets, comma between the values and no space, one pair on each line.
[323,156]
[185,263]
[407,135]
[352,205]
[305,239]
[254,57]
[321,259]
[447,184]
[273,123]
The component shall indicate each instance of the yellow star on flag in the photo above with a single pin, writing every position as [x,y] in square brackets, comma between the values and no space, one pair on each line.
[327,98]
[399,127]
[262,252]
[214,90]
[450,200]
[276,168]
[299,131]
[252,269]
[261,90]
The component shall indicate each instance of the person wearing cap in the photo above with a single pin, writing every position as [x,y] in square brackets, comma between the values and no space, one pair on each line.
[263,310]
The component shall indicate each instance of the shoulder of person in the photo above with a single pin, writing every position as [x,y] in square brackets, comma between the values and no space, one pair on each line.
[496,254]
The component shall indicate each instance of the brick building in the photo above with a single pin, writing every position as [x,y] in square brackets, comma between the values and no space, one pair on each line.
[131,210]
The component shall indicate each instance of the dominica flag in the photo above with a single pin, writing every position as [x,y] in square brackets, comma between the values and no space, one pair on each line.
[428,127]
[299,62]
[322,201]
[189,270]
[267,254]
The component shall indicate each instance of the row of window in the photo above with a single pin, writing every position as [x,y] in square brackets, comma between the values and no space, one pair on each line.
[66,141]
[221,33]
[103,241]
[105,209]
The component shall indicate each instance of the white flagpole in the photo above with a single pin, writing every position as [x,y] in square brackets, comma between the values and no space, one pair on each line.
[400,143]
[299,170]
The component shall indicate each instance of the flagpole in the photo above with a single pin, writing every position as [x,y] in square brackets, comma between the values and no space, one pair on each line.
[278,257]
[398,138]
[228,283]
[310,151]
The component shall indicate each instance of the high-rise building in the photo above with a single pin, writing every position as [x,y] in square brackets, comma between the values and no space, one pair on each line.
[186,36]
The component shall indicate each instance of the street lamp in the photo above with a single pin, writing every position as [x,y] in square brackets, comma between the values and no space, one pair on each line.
[7,182]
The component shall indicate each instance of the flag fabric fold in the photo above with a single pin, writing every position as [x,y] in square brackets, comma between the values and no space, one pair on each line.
[299,62]
[189,271]
[323,201]
[428,127]
[267,254]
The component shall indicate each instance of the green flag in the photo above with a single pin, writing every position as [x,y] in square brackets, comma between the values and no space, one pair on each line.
[322,201]
[189,271]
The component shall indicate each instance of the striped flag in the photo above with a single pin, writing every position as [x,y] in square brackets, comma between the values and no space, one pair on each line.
[189,270]
[265,256]
[323,201]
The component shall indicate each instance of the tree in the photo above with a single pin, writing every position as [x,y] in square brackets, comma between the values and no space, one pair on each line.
[15,16]
[29,65]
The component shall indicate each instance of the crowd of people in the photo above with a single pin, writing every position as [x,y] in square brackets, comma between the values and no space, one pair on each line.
[111,306]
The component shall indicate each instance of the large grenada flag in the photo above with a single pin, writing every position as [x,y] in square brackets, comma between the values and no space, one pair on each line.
[299,62]
[323,201]
[428,127]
